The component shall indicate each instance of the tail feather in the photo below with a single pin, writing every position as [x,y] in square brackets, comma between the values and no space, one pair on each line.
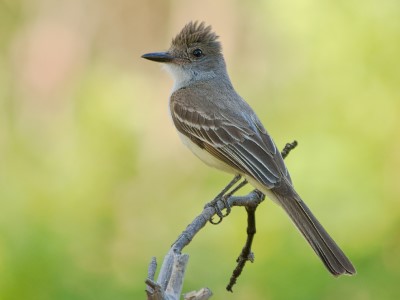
[324,246]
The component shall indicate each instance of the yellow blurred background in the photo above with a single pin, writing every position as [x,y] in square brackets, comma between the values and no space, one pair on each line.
[94,180]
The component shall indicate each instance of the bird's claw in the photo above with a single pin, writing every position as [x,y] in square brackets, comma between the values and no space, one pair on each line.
[218,211]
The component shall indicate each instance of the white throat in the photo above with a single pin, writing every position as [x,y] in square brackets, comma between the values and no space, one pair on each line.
[183,77]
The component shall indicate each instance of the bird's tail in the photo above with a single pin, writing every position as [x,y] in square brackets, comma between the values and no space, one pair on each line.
[324,246]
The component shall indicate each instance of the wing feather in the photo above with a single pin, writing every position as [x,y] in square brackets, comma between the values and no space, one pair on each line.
[238,141]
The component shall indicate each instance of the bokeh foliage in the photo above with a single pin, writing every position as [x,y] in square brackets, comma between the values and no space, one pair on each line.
[94,181]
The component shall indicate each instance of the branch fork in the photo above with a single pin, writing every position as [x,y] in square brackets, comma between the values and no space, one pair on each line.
[170,279]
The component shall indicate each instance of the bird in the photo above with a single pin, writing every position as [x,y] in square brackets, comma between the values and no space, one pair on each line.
[221,129]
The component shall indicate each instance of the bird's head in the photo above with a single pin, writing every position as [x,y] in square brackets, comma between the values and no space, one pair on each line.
[194,52]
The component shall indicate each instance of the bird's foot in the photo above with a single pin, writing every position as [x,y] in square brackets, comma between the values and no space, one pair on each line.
[218,210]
[223,196]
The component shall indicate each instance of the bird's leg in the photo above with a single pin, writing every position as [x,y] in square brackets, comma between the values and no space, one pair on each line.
[227,195]
[224,199]
[223,196]
[219,197]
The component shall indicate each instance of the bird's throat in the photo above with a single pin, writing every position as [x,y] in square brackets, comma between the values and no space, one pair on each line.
[184,77]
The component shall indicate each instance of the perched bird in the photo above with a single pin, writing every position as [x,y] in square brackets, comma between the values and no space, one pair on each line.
[219,127]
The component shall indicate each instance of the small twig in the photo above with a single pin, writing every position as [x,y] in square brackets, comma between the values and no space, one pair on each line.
[246,253]
[152,268]
[151,273]
[288,147]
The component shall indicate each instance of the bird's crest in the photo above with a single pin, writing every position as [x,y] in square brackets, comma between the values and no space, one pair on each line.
[196,33]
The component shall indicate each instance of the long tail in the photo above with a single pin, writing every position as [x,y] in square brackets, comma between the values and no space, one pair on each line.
[324,246]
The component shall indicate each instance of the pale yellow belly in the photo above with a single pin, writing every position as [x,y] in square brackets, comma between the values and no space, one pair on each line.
[211,161]
[206,157]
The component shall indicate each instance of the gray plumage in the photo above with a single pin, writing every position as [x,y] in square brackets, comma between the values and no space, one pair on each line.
[223,131]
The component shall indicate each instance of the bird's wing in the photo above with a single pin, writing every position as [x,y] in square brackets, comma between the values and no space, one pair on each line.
[239,141]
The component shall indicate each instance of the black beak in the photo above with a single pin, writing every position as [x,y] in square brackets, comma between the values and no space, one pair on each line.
[159,57]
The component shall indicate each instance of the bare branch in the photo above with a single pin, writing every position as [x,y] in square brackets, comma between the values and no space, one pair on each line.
[252,199]
[170,279]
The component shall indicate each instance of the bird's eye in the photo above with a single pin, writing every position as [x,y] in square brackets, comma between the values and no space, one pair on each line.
[197,52]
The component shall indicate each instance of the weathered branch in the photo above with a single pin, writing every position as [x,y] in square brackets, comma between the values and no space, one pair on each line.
[252,199]
[170,279]
[202,294]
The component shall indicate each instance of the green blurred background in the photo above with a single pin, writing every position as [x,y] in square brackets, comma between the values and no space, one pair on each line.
[88,194]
